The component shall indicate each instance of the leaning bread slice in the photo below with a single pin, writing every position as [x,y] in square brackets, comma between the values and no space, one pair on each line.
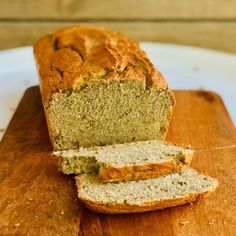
[143,195]
[137,160]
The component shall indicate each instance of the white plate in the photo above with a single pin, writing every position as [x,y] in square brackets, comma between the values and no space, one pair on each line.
[183,67]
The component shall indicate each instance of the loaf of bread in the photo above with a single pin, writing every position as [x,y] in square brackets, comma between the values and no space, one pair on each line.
[143,195]
[122,162]
[99,88]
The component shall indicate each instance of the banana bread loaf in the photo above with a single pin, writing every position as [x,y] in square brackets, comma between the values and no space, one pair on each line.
[98,88]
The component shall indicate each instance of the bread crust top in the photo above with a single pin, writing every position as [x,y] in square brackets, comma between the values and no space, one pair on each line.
[79,55]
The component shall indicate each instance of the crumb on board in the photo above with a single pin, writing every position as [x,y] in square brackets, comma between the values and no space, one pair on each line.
[184,222]
[17,224]
[2,130]
[211,222]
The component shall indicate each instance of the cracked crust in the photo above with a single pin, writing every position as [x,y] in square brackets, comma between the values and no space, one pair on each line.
[80,55]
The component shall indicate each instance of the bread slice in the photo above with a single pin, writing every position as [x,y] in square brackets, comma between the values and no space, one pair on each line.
[143,195]
[140,160]
[99,88]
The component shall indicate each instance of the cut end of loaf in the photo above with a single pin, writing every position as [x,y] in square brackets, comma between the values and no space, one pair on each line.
[143,195]
[108,113]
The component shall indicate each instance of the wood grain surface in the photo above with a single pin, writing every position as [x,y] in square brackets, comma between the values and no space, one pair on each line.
[118,9]
[204,23]
[36,199]
[214,35]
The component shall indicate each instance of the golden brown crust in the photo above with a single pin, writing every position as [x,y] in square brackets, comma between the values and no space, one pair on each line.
[68,57]
[113,174]
[115,208]
[126,208]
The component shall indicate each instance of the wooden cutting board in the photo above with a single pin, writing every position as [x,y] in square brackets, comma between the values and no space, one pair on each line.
[36,199]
